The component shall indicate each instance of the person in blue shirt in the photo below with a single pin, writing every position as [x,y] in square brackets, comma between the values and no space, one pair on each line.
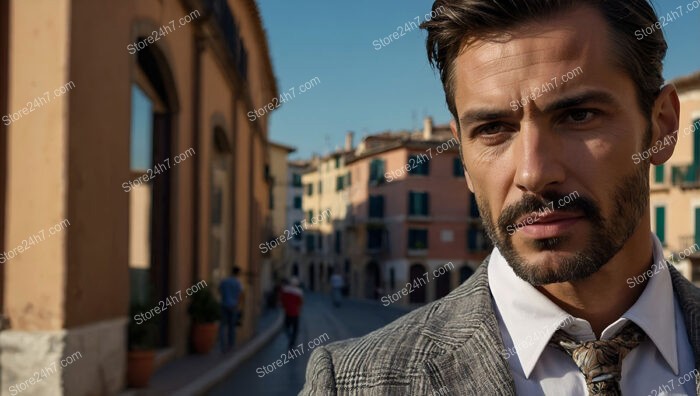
[231,290]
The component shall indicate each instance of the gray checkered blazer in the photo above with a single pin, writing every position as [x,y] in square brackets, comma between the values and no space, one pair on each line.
[448,347]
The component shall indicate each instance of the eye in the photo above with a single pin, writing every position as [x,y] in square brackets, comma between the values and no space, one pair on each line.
[580,116]
[491,129]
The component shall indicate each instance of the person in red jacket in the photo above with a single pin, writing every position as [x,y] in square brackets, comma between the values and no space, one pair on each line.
[292,299]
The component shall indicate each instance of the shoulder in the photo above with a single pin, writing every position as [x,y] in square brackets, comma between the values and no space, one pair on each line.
[398,351]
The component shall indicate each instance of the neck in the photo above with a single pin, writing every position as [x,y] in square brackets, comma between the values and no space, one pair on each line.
[603,297]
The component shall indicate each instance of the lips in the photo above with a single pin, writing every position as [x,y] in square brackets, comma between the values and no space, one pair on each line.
[549,224]
[547,217]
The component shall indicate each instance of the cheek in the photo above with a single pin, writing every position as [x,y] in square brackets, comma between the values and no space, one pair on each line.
[491,183]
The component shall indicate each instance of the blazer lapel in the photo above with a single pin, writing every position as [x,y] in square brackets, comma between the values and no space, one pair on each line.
[465,326]
[689,299]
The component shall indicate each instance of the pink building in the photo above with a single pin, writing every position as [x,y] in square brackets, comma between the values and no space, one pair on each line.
[416,225]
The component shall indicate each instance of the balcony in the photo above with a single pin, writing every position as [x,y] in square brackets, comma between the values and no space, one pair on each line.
[685,177]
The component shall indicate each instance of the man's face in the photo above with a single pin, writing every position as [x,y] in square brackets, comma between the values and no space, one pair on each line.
[576,137]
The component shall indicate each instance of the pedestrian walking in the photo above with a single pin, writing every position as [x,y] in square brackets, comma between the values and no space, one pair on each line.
[292,299]
[337,284]
[231,290]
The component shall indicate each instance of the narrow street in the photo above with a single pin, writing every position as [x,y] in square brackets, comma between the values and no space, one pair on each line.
[319,317]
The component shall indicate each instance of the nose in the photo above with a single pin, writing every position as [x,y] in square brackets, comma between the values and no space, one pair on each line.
[538,156]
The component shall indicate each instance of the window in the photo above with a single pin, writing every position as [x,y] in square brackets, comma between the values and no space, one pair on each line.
[298,229]
[418,203]
[697,226]
[417,239]
[659,174]
[348,180]
[376,171]
[309,215]
[477,239]
[418,165]
[272,198]
[472,239]
[320,187]
[376,206]
[216,204]
[141,130]
[473,208]
[310,189]
[337,162]
[374,238]
[338,241]
[320,242]
[310,242]
[296,180]
[339,183]
[297,202]
[661,224]
[457,168]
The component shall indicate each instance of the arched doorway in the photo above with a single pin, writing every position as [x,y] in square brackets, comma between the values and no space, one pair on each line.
[464,273]
[443,284]
[371,279]
[418,288]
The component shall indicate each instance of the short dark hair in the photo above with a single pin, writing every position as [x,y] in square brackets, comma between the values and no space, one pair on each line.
[235,270]
[457,22]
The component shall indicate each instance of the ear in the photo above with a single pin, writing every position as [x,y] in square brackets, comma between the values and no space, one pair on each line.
[664,124]
[457,135]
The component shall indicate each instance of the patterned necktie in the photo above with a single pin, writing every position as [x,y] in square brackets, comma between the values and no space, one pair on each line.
[601,361]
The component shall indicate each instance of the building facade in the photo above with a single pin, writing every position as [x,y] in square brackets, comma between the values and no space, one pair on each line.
[326,204]
[295,215]
[138,167]
[675,186]
[273,269]
[416,226]
[400,211]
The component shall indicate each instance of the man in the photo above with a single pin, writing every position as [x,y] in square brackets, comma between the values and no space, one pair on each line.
[231,290]
[292,299]
[337,285]
[550,311]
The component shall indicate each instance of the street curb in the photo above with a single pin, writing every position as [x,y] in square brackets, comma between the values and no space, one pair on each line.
[204,383]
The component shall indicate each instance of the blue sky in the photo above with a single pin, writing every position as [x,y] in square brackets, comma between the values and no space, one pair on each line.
[366,90]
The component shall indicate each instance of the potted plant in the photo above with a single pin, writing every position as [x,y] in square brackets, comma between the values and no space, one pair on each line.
[205,312]
[142,344]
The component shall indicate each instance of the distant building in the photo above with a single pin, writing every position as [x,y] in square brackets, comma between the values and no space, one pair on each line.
[326,204]
[276,225]
[400,212]
[295,216]
[413,216]
[675,186]
[120,90]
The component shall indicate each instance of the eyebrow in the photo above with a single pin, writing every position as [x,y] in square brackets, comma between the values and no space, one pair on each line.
[490,114]
[480,115]
[578,99]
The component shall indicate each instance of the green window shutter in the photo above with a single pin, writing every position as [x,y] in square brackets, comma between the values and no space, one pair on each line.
[697,225]
[661,223]
[659,173]
[696,144]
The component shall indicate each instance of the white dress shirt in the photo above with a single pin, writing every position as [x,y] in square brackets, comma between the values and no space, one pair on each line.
[661,365]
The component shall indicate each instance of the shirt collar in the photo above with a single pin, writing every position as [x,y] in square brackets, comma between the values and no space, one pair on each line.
[520,303]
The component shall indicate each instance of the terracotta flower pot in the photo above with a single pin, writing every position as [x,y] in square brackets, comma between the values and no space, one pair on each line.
[204,336]
[140,368]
